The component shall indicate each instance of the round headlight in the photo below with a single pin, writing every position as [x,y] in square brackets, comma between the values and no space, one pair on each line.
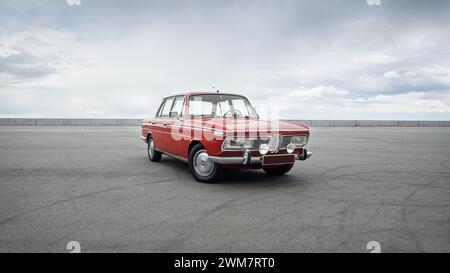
[290,148]
[263,149]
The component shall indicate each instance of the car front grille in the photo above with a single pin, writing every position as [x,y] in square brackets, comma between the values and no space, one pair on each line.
[274,143]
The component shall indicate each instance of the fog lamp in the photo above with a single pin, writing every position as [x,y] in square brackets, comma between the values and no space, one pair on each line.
[290,148]
[263,149]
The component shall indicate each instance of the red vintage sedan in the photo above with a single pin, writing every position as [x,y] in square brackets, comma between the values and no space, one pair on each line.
[214,131]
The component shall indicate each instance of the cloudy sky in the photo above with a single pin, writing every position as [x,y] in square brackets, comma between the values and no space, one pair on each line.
[309,59]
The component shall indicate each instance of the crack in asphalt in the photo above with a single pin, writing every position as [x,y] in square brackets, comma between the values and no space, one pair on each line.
[89,194]
[350,191]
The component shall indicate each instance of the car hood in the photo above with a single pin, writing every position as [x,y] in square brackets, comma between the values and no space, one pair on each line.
[245,124]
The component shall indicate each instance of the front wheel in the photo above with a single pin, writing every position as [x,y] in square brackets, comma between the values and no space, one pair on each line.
[278,170]
[202,169]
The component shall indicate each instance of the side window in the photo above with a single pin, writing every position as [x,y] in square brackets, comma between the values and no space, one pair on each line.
[178,106]
[198,108]
[158,114]
[166,109]
[240,106]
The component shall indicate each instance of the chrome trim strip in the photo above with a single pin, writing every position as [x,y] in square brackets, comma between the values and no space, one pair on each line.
[231,132]
[279,155]
[240,159]
[226,160]
[198,127]
[233,160]
[265,131]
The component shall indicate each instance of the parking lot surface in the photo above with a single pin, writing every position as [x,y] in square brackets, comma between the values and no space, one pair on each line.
[96,186]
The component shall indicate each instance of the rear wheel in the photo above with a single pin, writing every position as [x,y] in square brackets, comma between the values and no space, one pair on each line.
[153,154]
[278,170]
[202,169]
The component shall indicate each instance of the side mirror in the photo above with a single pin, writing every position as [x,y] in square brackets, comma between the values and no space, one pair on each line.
[174,114]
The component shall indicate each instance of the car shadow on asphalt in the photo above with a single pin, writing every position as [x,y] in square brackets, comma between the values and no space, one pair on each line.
[230,176]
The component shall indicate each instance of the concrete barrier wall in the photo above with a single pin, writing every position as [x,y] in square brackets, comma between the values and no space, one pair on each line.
[373,123]
[137,122]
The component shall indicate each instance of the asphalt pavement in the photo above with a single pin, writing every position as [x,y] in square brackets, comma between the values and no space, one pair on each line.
[96,186]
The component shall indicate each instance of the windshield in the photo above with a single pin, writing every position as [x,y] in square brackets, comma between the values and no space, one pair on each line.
[220,106]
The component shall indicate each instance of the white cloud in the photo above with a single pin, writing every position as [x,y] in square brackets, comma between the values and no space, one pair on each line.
[402,106]
[315,92]
[27,56]
[375,59]
[341,66]
[391,74]
[414,102]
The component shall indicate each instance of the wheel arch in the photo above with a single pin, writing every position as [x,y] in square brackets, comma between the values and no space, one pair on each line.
[193,143]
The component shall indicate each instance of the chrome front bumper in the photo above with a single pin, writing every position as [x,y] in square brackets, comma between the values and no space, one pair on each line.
[305,155]
[247,159]
[234,160]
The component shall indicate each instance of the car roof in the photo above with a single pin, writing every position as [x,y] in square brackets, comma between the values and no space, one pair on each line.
[202,93]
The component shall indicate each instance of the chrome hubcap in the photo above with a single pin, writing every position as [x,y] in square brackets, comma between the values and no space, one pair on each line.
[151,148]
[202,165]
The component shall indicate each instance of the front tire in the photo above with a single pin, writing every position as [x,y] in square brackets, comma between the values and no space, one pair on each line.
[202,169]
[278,170]
[153,154]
